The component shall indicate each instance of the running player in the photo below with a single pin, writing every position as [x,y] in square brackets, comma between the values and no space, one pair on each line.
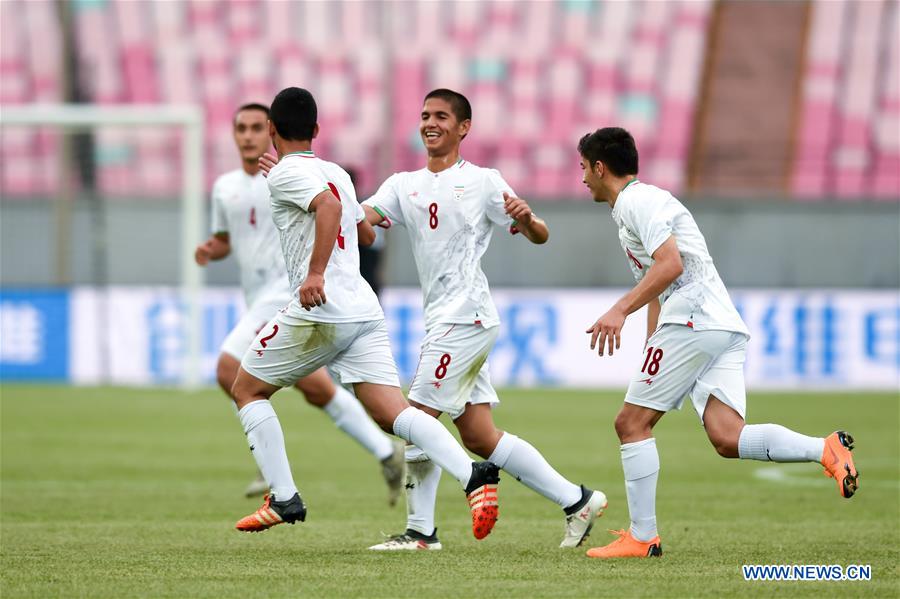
[449,209]
[333,318]
[696,344]
[242,224]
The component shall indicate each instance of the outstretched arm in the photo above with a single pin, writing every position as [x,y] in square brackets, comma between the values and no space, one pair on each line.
[532,227]
[666,268]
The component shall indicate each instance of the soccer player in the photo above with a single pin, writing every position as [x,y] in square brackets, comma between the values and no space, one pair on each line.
[242,224]
[449,209]
[333,318]
[696,344]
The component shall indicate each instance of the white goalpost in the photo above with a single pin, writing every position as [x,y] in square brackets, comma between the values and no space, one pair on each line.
[75,117]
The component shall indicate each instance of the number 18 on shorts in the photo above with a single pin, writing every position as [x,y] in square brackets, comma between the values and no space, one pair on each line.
[680,361]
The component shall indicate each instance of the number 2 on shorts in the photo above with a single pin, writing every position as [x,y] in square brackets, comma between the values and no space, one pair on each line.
[651,363]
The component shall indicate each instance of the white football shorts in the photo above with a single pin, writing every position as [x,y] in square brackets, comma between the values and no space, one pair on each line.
[288,349]
[679,362]
[251,323]
[453,368]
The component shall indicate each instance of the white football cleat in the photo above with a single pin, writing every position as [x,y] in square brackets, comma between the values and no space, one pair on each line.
[258,487]
[581,520]
[410,540]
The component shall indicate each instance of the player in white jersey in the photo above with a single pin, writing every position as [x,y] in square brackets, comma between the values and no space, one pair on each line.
[242,225]
[696,344]
[449,208]
[333,318]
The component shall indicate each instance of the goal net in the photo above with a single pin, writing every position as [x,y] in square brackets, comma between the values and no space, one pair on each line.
[101,204]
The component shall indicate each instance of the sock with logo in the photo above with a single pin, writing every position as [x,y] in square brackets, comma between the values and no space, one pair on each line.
[267,446]
[422,478]
[775,443]
[519,458]
[640,462]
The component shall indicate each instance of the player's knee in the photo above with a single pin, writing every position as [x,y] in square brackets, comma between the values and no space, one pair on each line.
[725,445]
[479,443]
[625,427]
[316,397]
[225,375]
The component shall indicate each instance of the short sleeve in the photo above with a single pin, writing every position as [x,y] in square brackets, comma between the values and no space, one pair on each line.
[360,213]
[386,201]
[652,217]
[218,222]
[297,186]
[495,208]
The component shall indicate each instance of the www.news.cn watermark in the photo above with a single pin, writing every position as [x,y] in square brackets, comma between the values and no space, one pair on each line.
[802,572]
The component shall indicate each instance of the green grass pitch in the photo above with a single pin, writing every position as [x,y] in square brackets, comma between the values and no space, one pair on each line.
[134,493]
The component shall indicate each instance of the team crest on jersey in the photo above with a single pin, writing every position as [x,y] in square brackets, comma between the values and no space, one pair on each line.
[458,191]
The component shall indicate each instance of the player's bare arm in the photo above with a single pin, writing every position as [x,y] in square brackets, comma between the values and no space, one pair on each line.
[373,217]
[533,228]
[666,268]
[266,162]
[365,233]
[214,248]
[328,211]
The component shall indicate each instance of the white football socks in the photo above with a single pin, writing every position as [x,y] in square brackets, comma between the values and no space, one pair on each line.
[519,458]
[775,443]
[350,416]
[422,478]
[267,446]
[418,428]
[640,462]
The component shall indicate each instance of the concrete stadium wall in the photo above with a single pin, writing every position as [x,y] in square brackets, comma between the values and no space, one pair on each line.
[754,243]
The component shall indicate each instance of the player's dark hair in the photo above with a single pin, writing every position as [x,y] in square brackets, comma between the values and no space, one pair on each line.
[294,114]
[250,106]
[458,102]
[614,147]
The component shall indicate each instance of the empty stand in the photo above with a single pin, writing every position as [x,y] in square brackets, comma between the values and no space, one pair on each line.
[539,75]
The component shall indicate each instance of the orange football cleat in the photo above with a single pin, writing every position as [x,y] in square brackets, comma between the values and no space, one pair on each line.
[482,495]
[273,513]
[627,546]
[838,462]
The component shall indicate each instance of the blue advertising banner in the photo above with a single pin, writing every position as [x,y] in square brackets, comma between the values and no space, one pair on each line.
[34,335]
[800,339]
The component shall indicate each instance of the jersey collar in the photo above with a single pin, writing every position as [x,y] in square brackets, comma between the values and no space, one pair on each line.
[460,162]
[303,154]
[615,210]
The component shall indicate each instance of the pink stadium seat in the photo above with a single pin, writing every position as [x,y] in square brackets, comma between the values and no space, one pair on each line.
[885,180]
[820,89]
[852,157]
[539,74]
[680,87]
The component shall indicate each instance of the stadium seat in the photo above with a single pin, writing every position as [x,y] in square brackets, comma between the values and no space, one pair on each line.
[535,72]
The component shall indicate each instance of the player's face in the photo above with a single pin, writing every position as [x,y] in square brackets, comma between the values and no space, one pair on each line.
[591,178]
[251,134]
[441,131]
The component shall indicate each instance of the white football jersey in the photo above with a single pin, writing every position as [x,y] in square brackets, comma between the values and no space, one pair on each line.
[240,207]
[294,182]
[449,217]
[647,216]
